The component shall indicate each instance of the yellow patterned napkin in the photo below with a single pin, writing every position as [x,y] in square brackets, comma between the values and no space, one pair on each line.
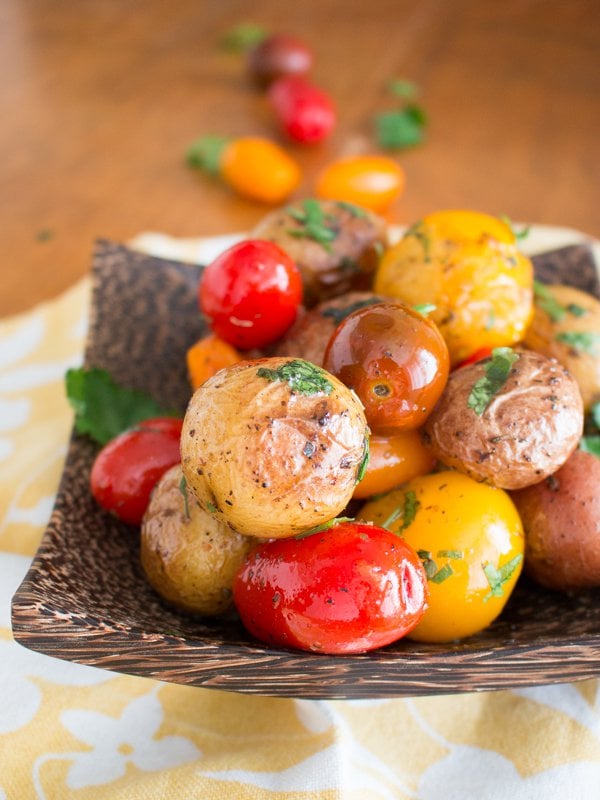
[69,731]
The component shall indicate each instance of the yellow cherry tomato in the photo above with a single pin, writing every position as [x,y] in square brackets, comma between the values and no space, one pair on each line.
[253,166]
[392,461]
[467,266]
[371,181]
[470,538]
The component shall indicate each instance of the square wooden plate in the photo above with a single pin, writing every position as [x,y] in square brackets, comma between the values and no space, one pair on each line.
[85,598]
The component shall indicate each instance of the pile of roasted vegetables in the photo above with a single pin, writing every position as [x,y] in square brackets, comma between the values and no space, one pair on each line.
[381,435]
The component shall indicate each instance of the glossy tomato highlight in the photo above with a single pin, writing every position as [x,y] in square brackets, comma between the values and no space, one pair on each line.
[128,468]
[349,589]
[396,361]
[251,293]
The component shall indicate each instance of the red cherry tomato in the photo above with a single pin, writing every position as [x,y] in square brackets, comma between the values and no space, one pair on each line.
[279,55]
[128,468]
[349,589]
[478,355]
[251,293]
[395,360]
[305,112]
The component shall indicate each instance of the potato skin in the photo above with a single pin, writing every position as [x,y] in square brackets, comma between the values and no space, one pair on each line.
[330,268]
[561,518]
[190,560]
[311,332]
[268,460]
[527,432]
[583,364]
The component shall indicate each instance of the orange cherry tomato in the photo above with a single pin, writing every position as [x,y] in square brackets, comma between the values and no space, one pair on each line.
[207,356]
[396,361]
[392,461]
[373,182]
[253,166]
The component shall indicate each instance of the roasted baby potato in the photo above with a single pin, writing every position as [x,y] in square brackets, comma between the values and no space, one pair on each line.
[311,332]
[273,447]
[512,432]
[468,265]
[336,245]
[566,326]
[561,517]
[190,558]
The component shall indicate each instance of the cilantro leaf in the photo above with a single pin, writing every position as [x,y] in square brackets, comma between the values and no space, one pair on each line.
[585,341]
[364,463]
[313,223]
[497,370]
[103,409]
[424,308]
[595,414]
[590,444]
[519,235]
[401,87]
[243,37]
[302,377]
[404,127]
[325,526]
[547,302]
[407,511]
[496,578]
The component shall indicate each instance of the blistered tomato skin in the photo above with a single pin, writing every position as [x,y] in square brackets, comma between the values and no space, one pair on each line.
[251,294]
[128,468]
[395,360]
[305,112]
[349,589]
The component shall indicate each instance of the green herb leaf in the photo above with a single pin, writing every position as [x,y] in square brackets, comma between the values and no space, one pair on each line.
[355,211]
[496,578]
[183,490]
[364,463]
[576,310]
[205,153]
[243,37]
[407,511]
[424,308]
[400,87]
[102,408]
[595,414]
[325,526]
[590,444]
[456,554]
[401,128]
[442,574]
[584,341]
[211,508]
[339,314]
[547,302]
[314,223]
[497,370]
[518,234]
[302,377]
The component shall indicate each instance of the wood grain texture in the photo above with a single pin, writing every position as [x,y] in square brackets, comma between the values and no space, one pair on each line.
[99,101]
[85,598]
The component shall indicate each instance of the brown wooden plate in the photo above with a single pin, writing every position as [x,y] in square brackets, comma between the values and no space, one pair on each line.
[85,598]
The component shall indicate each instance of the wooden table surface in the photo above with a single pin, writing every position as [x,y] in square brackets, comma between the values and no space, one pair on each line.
[99,101]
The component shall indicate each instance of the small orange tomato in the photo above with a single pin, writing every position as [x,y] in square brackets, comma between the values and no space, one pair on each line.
[253,166]
[373,182]
[392,461]
[207,356]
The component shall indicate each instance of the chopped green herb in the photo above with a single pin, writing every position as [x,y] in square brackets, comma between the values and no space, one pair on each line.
[103,409]
[456,554]
[576,310]
[584,341]
[365,461]
[339,314]
[430,568]
[400,87]
[497,370]
[205,153]
[424,308]
[325,526]
[491,320]
[211,507]
[183,490]
[424,554]
[243,37]
[590,444]
[442,574]
[407,512]
[404,127]
[302,377]
[547,302]
[419,233]
[595,414]
[355,211]
[496,578]
[314,223]
[521,234]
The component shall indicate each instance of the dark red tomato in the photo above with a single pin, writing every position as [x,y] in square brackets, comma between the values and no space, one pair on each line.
[279,55]
[478,355]
[305,112]
[349,589]
[128,468]
[251,293]
[395,359]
